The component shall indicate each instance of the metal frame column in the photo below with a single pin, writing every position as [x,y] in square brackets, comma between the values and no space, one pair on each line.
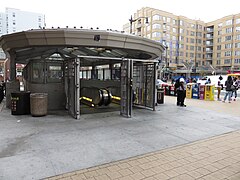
[77,88]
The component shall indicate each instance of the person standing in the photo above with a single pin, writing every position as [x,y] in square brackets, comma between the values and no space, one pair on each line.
[181,92]
[228,84]
[176,86]
[219,88]
[235,88]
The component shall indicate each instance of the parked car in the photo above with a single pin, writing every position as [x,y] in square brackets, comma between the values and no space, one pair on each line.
[160,83]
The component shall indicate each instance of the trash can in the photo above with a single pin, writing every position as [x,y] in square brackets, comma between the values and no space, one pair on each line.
[20,103]
[160,95]
[38,104]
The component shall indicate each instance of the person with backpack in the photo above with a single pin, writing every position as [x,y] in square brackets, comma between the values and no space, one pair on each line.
[229,88]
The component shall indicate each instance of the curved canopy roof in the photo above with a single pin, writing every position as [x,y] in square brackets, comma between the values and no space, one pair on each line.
[67,43]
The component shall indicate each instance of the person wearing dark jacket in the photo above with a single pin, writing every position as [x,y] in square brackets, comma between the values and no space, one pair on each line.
[181,90]
[228,84]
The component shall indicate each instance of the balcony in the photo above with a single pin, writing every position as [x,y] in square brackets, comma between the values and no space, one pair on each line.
[209,44]
[209,30]
[209,58]
[209,51]
[209,37]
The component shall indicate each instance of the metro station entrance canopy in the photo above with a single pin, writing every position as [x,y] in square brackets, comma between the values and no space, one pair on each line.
[77,49]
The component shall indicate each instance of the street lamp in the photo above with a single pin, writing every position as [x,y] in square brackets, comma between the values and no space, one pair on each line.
[166,60]
[166,56]
[131,20]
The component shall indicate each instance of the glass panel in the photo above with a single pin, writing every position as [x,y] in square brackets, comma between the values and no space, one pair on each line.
[107,74]
[55,73]
[37,73]
[100,74]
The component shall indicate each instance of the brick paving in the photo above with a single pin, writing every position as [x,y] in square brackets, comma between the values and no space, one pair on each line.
[214,158]
[210,159]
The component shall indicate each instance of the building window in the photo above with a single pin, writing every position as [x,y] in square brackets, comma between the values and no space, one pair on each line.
[229,22]
[186,54]
[174,22]
[237,61]
[193,26]
[238,29]
[228,38]
[220,25]
[13,14]
[192,40]
[156,26]
[238,37]
[199,26]
[181,31]
[156,34]
[192,33]
[220,32]
[191,55]
[192,48]
[218,54]
[228,53]
[148,28]
[218,62]
[237,45]
[181,22]
[199,48]
[164,19]
[227,61]
[156,17]
[228,30]
[181,38]
[228,46]
[237,53]
[238,21]
[199,34]
[219,40]
[199,41]
[199,55]
[219,47]
[168,20]
[174,30]
[181,46]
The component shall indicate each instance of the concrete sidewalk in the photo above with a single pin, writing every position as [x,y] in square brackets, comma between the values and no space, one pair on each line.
[36,148]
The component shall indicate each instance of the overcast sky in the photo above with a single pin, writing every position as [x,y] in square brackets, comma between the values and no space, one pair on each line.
[112,14]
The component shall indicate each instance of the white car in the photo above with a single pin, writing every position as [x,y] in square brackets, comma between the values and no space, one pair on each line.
[160,83]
